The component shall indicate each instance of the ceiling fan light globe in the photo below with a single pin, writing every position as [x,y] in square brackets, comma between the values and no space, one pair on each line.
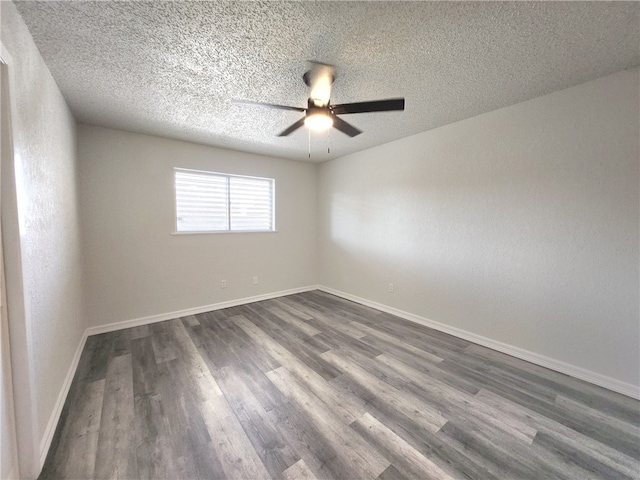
[318,122]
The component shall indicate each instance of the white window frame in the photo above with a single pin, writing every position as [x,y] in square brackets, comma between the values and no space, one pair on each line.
[227,176]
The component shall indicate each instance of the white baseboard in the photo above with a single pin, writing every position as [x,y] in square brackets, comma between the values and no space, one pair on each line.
[47,438]
[136,322]
[587,375]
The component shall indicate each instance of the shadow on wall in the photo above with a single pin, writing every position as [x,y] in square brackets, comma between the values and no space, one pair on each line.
[508,229]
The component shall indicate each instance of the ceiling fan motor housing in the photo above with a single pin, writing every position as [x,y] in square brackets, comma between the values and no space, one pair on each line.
[310,76]
[313,109]
[319,80]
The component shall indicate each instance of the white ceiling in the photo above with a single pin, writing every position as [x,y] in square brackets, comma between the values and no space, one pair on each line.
[172,68]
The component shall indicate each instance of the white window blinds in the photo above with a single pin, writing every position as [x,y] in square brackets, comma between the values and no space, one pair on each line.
[214,202]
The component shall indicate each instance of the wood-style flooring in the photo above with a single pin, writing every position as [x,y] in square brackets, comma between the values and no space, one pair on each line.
[314,386]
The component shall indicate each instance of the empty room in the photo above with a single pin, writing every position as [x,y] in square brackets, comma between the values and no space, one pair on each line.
[320,240]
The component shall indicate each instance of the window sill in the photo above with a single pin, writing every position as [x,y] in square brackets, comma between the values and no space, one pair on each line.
[223,232]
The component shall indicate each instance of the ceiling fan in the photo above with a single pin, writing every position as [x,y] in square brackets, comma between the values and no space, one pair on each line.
[320,114]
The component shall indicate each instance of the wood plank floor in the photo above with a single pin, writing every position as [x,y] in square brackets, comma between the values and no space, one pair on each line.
[314,386]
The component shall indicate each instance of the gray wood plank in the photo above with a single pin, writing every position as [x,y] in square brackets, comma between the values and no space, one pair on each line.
[480,448]
[197,369]
[279,351]
[395,342]
[273,450]
[186,437]
[243,347]
[286,305]
[356,456]
[306,440]
[291,336]
[611,403]
[164,348]
[289,317]
[409,461]
[436,337]
[76,451]
[120,343]
[229,442]
[372,366]
[511,459]
[154,450]
[563,434]
[427,367]
[325,318]
[391,473]
[239,350]
[348,408]
[335,309]
[565,452]
[92,367]
[430,444]
[537,399]
[453,403]
[190,321]
[620,435]
[95,367]
[115,453]
[298,471]
[143,363]
[423,414]
[136,333]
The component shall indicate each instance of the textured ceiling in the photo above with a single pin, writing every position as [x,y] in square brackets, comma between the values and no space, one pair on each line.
[172,68]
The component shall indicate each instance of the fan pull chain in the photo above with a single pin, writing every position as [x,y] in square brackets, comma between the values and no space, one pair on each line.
[309,132]
[328,141]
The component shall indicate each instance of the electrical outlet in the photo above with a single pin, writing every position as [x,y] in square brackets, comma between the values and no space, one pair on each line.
[255,280]
[223,284]
[392,288]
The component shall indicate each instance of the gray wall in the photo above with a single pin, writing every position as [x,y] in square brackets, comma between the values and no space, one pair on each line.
[43,230]
[8,439]
[520,225]
[135,267]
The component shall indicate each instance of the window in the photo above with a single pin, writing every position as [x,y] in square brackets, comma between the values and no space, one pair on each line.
[217,202]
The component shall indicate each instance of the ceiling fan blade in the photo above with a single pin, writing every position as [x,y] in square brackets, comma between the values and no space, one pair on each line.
[374,106]
[268,105]
[345,127]
[292,128]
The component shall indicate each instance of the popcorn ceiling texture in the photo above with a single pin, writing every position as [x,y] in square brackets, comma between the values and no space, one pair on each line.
[172,68]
